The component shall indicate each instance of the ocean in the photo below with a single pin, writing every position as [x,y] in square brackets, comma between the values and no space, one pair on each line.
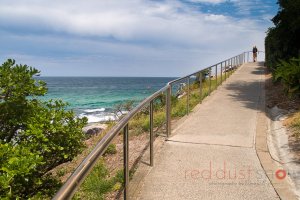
[95,97]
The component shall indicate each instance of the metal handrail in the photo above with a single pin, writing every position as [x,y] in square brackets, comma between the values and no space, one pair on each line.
[74,181]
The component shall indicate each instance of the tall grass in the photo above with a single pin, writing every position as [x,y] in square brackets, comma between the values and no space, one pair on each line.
[99,183]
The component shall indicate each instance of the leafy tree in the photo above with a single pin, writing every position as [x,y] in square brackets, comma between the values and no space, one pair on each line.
[282,41]
[203,73]
[120,108]
[35,136]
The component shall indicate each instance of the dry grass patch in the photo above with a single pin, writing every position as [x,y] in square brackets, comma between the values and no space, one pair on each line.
[293,122]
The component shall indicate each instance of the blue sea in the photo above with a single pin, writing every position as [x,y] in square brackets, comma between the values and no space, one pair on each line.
[95,97]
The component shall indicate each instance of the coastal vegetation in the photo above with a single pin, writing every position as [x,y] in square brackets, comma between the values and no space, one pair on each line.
[35,136]
[282,41]
[288,72]
[282,45]
[294,123]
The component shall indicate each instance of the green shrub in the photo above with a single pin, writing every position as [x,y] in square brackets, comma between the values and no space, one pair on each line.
[111,149]
[99,183]
[179,109]
[289,74]
[61,172]
[159,118]
[194,99]
[124,106]
[35,136]
[119,177]
[146,124]
[203,73]
[160,101]
[282,41]
[136,124]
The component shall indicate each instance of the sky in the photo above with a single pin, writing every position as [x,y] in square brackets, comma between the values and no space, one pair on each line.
[167,38]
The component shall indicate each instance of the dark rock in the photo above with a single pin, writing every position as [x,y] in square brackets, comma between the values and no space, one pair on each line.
[93,131]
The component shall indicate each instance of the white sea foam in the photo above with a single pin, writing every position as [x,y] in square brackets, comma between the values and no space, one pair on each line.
[119,114]
[94,110]
[99,117]
[92,118]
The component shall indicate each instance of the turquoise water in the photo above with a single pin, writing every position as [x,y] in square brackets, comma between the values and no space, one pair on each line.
[95,97]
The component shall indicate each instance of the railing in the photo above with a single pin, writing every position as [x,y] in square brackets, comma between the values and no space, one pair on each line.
[218,71]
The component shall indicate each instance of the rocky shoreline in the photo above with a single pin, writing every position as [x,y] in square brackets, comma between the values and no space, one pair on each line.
[93,129]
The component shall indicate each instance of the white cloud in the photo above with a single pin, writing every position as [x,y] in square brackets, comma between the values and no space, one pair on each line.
[149,31]
[137,20]
[208,1]
[246,7]
[215,18]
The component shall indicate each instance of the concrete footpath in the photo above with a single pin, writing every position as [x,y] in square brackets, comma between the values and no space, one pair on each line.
[212,154]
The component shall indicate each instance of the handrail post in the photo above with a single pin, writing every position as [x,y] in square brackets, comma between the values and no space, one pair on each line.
[234,60]
[216,76]
[230,65]
[248,57]
[226,67]
[168,111]
[151,134]
[200,85]
[241,60]
[233,63]
[209,80]
[221,72]
[126,161]
[188,96]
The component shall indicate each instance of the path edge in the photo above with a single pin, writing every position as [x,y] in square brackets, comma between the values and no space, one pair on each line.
[270,166]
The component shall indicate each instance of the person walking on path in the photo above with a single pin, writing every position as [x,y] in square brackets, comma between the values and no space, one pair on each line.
[254,54]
